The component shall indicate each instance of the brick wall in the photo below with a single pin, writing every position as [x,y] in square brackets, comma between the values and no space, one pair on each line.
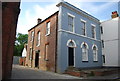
[50,40]
[10,12]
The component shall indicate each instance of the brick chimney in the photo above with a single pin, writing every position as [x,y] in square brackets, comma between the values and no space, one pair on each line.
[39,20]
[114,14]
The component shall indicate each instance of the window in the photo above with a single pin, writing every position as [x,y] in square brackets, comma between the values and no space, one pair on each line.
[71,43]
[95,54]
[84,52]
[32,36]
[48,28]
[46,52]
[101,29]
[103,57]
[83,28]
[70,23]
[30,54]
[38,38]
[93,31]
[103,43]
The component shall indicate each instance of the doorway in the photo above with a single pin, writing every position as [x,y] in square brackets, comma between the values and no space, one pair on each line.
[37,60]
[70,56]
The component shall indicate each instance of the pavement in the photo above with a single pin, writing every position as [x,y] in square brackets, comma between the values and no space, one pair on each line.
[23,72]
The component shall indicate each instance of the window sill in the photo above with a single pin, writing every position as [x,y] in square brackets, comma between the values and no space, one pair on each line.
[46,59]
[95,61]
[38,45]
[84,61]
[47,34]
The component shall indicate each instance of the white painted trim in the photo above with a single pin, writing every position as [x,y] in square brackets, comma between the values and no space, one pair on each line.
[83,20]
[73,21]
[85,26]
[93,25]
[95,46]
[85,44]
[70,41]
[71,15]
[95,30]
[61,30]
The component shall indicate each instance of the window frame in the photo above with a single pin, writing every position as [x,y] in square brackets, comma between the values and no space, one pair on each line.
[48,28]
[38,38]
[93,30]
[95,55]
[32,36]
[85,54]
[84,29]
[69,24]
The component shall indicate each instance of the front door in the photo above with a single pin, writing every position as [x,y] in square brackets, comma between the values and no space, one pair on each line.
[71,56]
[37,60]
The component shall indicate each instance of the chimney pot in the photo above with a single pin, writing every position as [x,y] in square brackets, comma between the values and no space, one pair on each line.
[39,20]
[114,14]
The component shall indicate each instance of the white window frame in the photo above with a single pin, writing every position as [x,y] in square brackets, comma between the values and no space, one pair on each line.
[38,38]
[48,28]
[84,52]
[73,48]
[32,36]
[83,21]
[95,53]
[73,27]
[94,31]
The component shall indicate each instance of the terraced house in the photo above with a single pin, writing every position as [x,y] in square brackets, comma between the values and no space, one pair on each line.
[68,38]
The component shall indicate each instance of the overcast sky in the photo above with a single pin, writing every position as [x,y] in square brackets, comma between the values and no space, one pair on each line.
[31,11]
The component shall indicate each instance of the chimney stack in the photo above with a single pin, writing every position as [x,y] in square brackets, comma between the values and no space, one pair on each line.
[39,20]
[114,14]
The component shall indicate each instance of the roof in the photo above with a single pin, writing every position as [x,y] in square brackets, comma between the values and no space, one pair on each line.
[44,20]
[77,9]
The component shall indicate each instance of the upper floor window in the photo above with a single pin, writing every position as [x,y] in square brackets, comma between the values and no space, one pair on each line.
[48,28]
[71,23]
[95,53]
[101,28]
[83,23]
[93,31]
[38,38]
[84,52]
[32,36]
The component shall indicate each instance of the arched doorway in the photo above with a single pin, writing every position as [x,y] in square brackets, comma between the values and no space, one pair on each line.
[71,52]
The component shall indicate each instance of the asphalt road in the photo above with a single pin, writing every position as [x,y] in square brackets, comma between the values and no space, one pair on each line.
[21,72]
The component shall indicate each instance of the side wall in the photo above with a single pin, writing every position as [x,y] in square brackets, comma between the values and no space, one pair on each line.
[10,12]
[110,37]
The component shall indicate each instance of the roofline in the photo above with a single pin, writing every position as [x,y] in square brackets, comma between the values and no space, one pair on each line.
[66,4]
[44,20]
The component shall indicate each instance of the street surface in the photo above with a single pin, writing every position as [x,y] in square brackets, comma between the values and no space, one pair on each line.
[22,72]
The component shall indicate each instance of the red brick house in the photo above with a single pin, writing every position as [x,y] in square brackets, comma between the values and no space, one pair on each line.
[42,42]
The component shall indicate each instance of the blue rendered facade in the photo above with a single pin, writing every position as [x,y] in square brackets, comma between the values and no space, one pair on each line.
[64,36]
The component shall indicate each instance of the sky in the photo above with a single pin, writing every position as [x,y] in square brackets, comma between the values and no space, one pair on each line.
[31,11]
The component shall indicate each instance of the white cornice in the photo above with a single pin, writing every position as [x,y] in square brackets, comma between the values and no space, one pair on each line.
[78,11]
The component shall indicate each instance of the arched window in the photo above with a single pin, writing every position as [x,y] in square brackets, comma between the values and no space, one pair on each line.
[95,54]
[84,47]
[71,43]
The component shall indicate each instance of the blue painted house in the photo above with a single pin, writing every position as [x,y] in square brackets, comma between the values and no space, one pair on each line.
[79,43]
[68,38]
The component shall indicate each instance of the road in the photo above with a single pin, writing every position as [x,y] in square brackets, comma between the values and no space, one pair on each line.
[22,72]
